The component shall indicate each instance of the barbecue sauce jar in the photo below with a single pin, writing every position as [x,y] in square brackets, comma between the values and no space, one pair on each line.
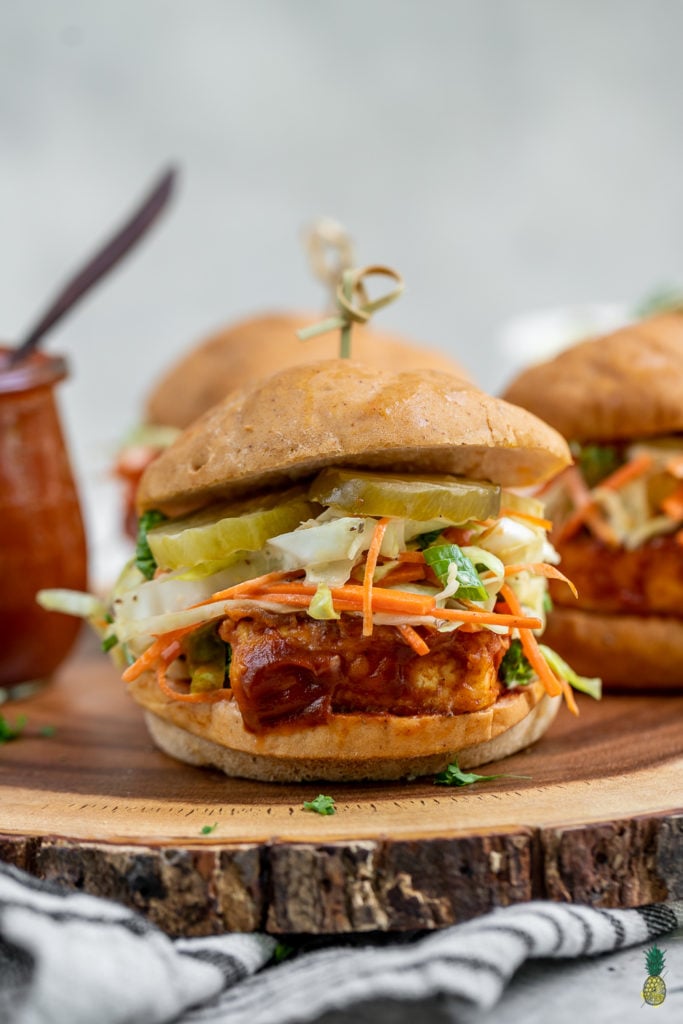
[42,539]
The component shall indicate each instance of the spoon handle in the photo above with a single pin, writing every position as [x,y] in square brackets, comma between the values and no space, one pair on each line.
[99,264]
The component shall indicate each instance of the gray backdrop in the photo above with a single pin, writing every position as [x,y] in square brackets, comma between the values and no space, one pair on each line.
[505,155]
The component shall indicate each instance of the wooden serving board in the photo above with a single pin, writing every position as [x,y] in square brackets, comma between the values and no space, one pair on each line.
[600,820]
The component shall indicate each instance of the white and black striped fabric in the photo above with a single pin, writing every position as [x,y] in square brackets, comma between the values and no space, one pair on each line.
[70,958]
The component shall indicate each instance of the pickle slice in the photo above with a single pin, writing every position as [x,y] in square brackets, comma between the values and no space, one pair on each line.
[421,498]
[216,533]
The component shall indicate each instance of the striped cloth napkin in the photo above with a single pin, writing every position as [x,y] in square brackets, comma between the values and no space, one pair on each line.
[70,958]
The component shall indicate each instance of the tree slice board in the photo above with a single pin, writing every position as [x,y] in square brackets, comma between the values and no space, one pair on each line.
[599,821]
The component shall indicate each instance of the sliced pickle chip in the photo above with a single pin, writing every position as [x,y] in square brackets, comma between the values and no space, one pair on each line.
[359,492]
[216,533]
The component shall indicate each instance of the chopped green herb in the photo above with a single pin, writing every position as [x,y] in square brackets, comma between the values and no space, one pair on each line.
[208,829]
[515,669]
[321,805]
[109,642]
[47,730]
[453,776]
[666,299]
[547,603]
[596,461]
[11,731]
[425,539]
[282,951]
[144,559]
[442,556]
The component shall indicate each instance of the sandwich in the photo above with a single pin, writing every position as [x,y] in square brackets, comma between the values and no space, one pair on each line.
[618,511]
[337,578]
[238,355]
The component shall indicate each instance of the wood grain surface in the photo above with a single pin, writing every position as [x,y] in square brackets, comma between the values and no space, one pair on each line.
[600,821]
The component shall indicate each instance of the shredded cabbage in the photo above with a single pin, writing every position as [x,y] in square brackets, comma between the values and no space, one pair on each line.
[338,540]
[593,687]
[514,542]
[321,606]
[73,602]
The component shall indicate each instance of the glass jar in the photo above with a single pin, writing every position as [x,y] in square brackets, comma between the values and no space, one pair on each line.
[42,539]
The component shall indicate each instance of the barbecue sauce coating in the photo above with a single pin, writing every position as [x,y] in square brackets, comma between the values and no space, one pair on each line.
[294,669]
[646,581]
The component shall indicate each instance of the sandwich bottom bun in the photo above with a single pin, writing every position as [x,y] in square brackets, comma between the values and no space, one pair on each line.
[348,747]
[629,652]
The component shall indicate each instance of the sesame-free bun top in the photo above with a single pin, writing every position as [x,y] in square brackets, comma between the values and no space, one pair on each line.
[343,412]
[623,385]
[253,348]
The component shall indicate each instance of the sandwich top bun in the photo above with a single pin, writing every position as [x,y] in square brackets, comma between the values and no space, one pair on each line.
[343,412]
[624,385]
[252,348]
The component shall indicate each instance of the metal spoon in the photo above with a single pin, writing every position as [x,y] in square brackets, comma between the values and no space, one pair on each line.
[99,264]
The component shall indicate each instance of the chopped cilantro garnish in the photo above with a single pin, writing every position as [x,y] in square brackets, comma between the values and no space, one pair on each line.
[321,805]
[547,603]
[596,461]
[109,642]
[453,776]
[515,669]
[11,731]
[425,539]
[282,951]
[441,557]
[144,559]
[208,829]
[47,730]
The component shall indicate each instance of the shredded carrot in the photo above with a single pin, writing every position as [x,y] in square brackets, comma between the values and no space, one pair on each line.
[487,618]
[675,467]
[351,594]
[628,472]
[350,597]
[541,569]
[413,639]
[571,526]
[411,572]
[411,556]
[208,697]
[552,684]
[590,515]
[370,566]
[459,534]
[545,524]
[155,651]
[241,588]
[673,505]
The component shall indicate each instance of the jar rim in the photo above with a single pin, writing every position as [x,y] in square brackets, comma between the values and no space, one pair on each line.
[38,370]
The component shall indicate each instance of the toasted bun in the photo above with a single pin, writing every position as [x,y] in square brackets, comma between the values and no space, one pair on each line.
[251,349]
[343,412]
[349,747]
[628,652]
[624,385]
